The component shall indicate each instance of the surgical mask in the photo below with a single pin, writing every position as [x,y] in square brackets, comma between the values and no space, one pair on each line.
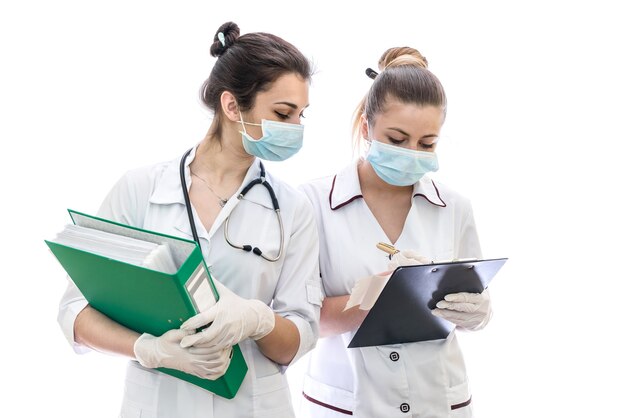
[400,166]
[280,140]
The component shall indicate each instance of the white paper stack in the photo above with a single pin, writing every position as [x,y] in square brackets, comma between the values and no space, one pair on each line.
[129,250]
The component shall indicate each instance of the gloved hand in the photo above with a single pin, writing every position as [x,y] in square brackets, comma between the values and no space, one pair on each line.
[165,351]
[467,310]
[407,258]
[233,320]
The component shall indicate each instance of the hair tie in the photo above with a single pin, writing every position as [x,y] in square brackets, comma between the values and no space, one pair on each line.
[220,36]
[370,73]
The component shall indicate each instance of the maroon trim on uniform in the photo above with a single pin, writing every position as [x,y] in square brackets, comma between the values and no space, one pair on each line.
[462,404]
[325,405]
[430,201]
[330,197]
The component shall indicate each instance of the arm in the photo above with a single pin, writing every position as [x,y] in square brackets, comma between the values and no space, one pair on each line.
[289,328]
[84,326]
[96,331]
[281,345]
[334,320]
[298,295]
[469,311]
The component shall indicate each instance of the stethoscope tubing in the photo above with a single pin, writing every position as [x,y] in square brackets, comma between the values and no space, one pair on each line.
[246,247]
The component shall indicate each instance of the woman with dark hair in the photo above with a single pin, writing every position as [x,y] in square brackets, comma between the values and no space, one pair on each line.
[386,196]
[270,294]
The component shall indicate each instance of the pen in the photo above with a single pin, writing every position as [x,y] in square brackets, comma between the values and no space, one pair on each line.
[388,248]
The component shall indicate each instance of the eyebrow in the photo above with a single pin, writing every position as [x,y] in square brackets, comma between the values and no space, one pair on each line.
[291,105]
[406,134]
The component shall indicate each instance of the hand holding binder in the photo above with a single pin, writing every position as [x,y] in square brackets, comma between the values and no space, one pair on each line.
[232,320]
[165,351]
[128,278]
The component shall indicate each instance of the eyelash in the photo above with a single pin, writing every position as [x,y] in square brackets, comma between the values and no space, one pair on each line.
[400,141]
[285,117]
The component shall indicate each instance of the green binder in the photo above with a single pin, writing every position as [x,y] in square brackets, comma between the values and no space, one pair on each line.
[146,300]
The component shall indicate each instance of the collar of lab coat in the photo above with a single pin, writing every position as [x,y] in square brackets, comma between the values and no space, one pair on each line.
[346,189]
[169,191]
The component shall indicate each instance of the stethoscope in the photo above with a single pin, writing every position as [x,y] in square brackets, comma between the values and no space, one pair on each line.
[245,247]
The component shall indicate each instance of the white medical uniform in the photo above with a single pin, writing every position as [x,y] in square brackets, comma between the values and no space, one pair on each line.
[426,379]
[152,198]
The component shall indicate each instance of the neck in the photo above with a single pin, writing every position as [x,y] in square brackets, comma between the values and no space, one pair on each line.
[222,159]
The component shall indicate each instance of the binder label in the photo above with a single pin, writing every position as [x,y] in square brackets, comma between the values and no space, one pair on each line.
[199,289]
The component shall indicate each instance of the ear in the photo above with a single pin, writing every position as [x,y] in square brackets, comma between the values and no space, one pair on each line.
[364,127]
[229,106]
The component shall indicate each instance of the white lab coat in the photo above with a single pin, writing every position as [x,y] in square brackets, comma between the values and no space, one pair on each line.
[152,198]
[425,379]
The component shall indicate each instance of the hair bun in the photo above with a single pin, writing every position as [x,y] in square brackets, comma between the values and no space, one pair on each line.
[394,57]
[224,38]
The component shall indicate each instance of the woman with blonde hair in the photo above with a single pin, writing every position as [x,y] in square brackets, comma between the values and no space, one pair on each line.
[387,196]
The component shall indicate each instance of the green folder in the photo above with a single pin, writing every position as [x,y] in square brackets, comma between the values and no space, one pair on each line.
[146,300]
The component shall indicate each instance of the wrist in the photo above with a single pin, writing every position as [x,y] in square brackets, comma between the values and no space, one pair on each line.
[266,319]
[144,349]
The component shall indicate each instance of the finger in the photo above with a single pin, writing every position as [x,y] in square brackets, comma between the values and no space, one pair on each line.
[208,372]
[175,335]
[211,336]
[206,352]
[218,366]
[204,338]
[452,316]
[458,306]
[201,319]
[190,340]
[437,312]
[214,373]
[464,297]
[415,257]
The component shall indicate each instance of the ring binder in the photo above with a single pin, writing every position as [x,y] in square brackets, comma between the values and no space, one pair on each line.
[144,299]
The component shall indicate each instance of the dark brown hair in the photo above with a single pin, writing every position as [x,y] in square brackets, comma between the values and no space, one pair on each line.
[404,75]
[247,65]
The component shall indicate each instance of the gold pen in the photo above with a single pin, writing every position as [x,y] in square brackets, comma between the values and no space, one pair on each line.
[388,248]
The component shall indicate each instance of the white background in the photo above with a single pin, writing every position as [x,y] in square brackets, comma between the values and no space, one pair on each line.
[534,135]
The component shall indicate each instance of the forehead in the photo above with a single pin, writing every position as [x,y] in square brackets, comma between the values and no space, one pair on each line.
[289,88]
[409,117]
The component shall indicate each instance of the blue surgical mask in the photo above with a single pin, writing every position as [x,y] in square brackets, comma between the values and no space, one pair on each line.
[280,140]
[400,166]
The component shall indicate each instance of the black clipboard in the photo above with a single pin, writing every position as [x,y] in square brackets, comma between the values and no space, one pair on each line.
[402,312]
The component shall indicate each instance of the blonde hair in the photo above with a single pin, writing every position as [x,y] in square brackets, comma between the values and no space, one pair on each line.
[404,75]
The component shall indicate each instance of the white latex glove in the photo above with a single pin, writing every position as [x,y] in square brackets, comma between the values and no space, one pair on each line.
[467,310]
[165,351]
[407,258]
[233,319]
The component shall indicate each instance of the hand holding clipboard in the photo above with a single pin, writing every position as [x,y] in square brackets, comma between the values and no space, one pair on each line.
[403,311]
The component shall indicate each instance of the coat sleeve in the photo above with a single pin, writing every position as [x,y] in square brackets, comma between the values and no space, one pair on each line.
[120,205]
[298,296]
[468,244]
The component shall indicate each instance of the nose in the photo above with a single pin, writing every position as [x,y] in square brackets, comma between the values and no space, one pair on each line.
[297,119]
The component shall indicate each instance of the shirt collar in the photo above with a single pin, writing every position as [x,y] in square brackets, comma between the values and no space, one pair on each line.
[346,189]
[168,188]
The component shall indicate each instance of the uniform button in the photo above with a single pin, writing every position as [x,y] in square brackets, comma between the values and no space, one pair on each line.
[394,356]
[405,407]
